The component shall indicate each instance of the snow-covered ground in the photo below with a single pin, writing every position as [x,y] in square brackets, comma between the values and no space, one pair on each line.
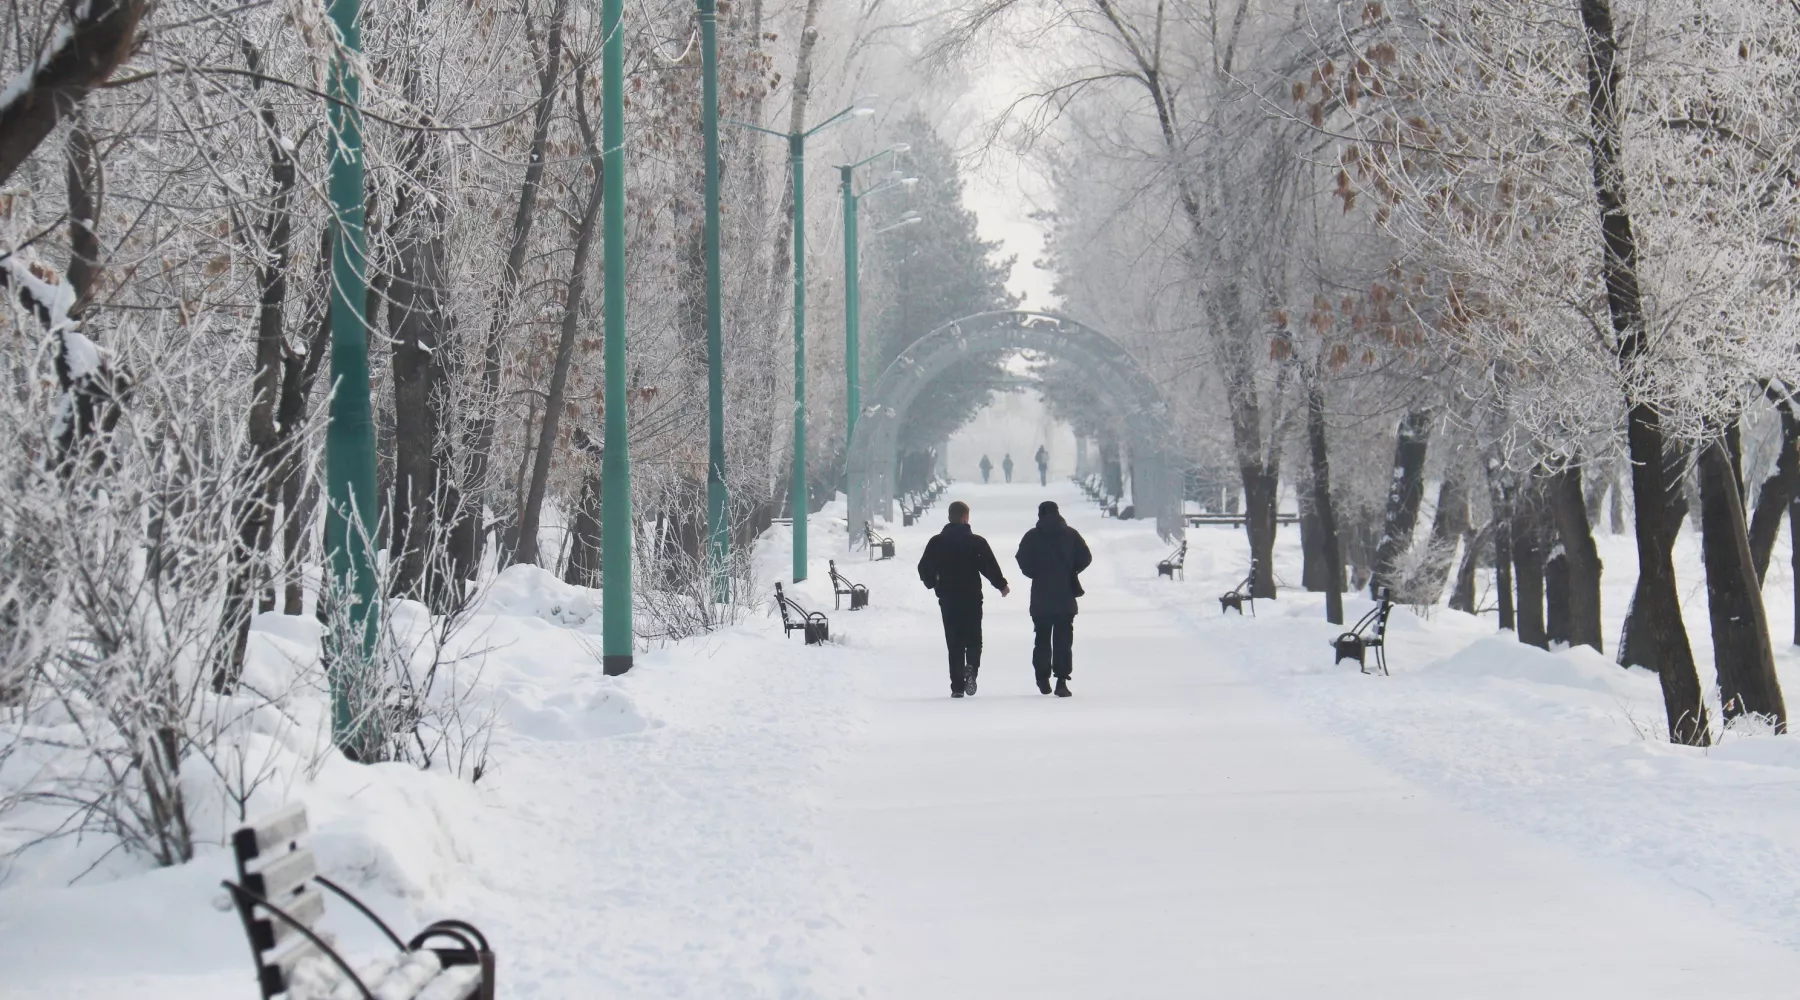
[1219,810]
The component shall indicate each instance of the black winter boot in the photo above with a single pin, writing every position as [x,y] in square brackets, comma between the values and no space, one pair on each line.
[1062,688]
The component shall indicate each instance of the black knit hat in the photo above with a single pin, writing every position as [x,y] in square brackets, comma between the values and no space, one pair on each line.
[1047,508]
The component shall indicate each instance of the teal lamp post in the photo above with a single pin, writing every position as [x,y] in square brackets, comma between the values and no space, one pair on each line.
[718,534]
[852,289]
[797,160]
[616,638]
[350,434]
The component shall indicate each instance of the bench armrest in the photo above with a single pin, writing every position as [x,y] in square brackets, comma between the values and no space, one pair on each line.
[344,895]
[250,900]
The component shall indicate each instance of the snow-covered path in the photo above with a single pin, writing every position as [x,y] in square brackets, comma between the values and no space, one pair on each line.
[1174,831]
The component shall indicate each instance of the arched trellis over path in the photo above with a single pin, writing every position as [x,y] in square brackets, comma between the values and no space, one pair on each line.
[1137,403]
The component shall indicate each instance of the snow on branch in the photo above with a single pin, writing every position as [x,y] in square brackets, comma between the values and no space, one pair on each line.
[92,40]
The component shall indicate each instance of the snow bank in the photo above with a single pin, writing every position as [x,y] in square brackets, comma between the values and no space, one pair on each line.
[650,835]
[1564,744]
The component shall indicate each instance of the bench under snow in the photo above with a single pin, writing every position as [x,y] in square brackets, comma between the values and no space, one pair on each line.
[277,895]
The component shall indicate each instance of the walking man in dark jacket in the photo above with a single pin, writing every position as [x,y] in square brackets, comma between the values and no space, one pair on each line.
[954,562]
[1043,463]
[1053,555]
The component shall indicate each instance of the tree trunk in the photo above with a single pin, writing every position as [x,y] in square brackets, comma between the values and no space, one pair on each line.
[1569,510]
[298,373]
[255,509]
[1448,528]
[583,569]
[1331,552]
[1405,490]
[87,196]
[1500,497]
[469,531]
[1740,633]
[1462,597]
[1778,492]
[424,493]
[529,514]
[1658,601]
[1794,563]
[1529,558]
[1259,523]
[1556,598]
[1112,470]
[100,36]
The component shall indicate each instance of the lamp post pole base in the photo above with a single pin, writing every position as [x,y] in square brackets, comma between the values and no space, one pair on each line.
[616,665]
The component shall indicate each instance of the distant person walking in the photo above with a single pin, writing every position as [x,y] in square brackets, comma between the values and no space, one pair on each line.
[954,562]
[1053,556]
[987,468]
[1006,465]
[1043,461]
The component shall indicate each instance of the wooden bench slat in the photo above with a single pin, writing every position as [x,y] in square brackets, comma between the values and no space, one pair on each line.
[273,932]
[456,983]
[273,833]
[319,977]
[278,879]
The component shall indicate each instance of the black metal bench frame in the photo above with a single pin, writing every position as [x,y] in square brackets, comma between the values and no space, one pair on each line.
[1235,598]
[1233,520]
[279,903]
[1369,632]
[909,515]
[1176,562]
[878,543]
[794,618]
[841,587]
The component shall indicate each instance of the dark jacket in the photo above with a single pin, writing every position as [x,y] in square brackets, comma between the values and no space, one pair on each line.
[1052,554]
[954,562]
[1043,457]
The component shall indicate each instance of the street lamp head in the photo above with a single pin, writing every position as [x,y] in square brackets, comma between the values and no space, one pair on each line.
[895,175]
[862,111]
[910,217]
[900,147]
[909,182]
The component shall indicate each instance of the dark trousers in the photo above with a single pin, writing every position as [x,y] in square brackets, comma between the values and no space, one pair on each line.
[962,634]
[1043,475]
[1055,648]
[984,475]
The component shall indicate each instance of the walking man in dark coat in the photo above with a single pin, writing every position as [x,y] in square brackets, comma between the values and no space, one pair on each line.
[954,562]
[1043,463]
[1053,555]
[987,467]
[1006,466]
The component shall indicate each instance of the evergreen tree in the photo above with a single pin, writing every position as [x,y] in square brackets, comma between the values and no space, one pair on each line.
[923,276]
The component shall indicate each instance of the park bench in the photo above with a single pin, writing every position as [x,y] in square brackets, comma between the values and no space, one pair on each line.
[1175,563]
[1233,599]
[909,514]
[881,547]
[842,587]
[1234,520]
[1370,632]
[277,895]
[794,618]
[878,543]
[1109,506]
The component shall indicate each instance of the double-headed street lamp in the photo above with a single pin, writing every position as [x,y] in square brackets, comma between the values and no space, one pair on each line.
[801,496]
[852,292]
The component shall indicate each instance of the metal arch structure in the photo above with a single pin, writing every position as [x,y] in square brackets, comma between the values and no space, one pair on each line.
[1136,401]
